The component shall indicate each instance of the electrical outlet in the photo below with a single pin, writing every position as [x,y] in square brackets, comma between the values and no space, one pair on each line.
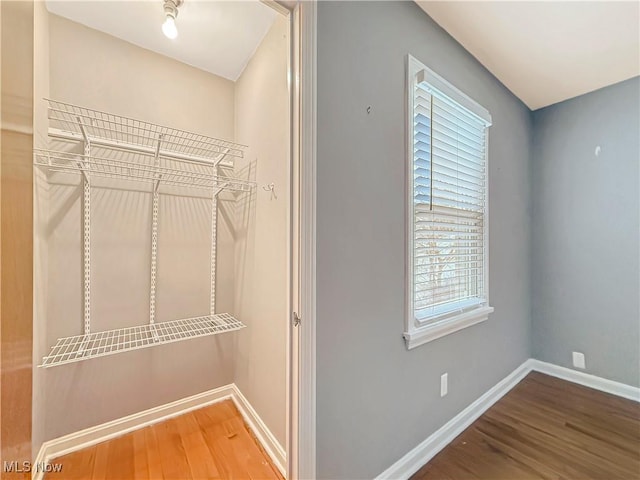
[444,384]
[578,360]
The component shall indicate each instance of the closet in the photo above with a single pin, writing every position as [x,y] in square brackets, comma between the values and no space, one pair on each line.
[161,212]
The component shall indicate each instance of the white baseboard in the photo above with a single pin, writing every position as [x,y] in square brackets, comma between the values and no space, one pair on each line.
[586,379]
[260,430]
[416,458]
[420,455]
[60,446]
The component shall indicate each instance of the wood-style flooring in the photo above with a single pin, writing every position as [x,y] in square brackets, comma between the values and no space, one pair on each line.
[209,443]
[546,428]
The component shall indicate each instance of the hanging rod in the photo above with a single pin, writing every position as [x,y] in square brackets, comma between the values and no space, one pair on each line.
[189,175]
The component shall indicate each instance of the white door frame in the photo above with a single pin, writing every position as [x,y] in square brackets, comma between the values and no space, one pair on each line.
[306,13]
[301,344]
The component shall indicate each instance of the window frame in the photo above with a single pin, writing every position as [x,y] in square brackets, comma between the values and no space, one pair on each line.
[420,331]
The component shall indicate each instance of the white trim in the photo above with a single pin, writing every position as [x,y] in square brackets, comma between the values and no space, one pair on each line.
[72,442]
[39,460]
[587,380]
[420,455]
[427,75]
[409,317]
[88,437]
[287,468]
[427,333]
[293,340]
[306,447]
[292,363]
[270,444]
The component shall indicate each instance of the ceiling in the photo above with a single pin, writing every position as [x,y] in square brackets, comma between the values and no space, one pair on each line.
[218,37]
[547,52]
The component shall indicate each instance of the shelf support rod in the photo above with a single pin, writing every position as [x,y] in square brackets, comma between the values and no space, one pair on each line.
[220,158]
[156,163]
[154,243]
[83,130]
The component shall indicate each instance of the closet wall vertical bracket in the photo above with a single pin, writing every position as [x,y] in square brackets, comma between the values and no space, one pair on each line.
[214,232]
[86,228]
[154,240]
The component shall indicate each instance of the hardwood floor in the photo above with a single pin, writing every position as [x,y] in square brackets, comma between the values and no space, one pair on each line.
[210,443]
[546,428]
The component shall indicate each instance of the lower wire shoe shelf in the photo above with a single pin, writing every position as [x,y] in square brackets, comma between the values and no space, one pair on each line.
[109,342]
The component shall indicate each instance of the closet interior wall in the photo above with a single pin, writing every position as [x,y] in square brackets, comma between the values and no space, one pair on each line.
[262,252]
[89,68]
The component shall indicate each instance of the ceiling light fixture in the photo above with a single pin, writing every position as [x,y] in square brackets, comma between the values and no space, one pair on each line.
[171,11]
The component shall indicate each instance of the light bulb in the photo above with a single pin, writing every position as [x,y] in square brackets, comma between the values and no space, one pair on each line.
[169,27]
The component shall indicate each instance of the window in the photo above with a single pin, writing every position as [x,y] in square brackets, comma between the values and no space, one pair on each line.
[448,234]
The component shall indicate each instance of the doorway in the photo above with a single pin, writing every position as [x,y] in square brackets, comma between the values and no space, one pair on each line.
[176,261]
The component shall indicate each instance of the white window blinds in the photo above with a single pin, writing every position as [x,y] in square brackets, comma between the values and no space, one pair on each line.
[449,191]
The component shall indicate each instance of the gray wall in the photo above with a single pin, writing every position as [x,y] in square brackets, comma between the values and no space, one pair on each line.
[375,399]
[586,232]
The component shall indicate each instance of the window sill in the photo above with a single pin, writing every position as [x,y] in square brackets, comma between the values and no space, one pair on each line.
[422,335]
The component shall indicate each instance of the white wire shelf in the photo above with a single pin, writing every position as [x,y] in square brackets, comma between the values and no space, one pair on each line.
[83,347]
[107,128]
[143,168]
